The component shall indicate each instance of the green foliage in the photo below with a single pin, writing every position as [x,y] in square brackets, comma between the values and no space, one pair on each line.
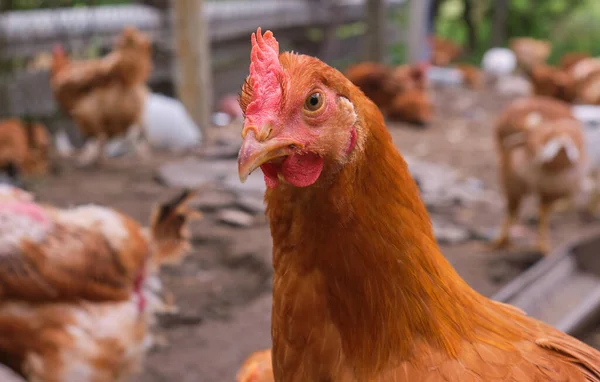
[572,25]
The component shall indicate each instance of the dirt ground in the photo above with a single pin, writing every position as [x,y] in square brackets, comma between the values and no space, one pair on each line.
[223,288]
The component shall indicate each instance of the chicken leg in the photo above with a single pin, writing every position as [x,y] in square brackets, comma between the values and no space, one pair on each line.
[545,208]
[141,145]
[93,152]
[513,205]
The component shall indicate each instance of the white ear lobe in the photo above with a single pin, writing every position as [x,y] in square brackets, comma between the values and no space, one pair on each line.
[349,106]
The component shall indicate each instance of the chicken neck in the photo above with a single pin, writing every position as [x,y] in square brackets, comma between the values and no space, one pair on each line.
[364,245]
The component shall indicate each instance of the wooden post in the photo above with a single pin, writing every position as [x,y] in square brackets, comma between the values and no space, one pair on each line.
[499,23]
[417,29]
[377,28]
[193,75]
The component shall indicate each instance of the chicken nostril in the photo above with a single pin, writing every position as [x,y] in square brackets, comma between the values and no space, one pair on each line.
[292,147]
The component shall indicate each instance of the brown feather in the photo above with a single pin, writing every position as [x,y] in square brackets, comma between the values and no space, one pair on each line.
[361,291]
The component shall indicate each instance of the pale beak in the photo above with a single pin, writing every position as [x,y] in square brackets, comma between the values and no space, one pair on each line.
[253,153]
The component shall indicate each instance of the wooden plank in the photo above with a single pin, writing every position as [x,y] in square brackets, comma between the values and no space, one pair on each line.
[417,29]
[376,21]
[192,72]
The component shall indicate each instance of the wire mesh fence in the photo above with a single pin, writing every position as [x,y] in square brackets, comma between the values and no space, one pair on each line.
[87,28]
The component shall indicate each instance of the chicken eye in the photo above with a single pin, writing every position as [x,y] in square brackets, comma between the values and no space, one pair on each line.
[314,101]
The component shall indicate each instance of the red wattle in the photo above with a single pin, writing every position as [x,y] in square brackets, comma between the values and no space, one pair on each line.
[302,170]
[270,174]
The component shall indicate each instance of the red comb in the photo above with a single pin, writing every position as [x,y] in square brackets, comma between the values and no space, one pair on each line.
[265,73]
[58,49]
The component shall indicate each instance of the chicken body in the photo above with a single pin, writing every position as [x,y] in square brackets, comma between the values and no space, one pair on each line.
[530,51]
[553,82]
[377,82]
[541,152]
[24,147]
[361,291]
[78,287]
[444,51]
[257,368]
[105,97]
[568,60]
[473,76]
[400,93]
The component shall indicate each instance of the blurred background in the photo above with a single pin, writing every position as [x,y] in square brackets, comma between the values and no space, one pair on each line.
[468,59]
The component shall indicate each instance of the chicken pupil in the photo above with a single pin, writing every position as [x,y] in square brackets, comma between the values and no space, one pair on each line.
[314,100]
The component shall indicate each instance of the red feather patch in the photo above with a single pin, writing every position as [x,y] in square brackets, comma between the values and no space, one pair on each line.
[266,75]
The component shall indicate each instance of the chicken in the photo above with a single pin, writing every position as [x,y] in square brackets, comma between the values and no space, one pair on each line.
[413,106]
[553,82]
[444,51]
[568,60]
[361,290]
[584,68]
[257,368]
[545,155]
[530,51]
[24,148]
[398,92]
[79,286]
[106,97]
[408,77]
[473,77]
[376,81]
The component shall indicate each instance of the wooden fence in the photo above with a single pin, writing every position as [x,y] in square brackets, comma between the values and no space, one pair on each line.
[24,35]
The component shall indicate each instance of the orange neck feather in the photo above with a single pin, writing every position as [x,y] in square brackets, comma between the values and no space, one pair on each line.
[368,234]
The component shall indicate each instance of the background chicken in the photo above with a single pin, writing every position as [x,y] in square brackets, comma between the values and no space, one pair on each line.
[570,59]
[444,51]
[105,97]
[258,367]
[409,77]
[377,82]
[400,93]
[542,152]
[412,106]
[552,82]
[530,51]
[24,148]
[78,287]
[473,76]
[325,146]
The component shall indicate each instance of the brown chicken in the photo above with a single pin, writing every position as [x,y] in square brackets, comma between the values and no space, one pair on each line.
[410,77]
[361,291]
[473,76]
[553,82]
[78,286]
[257,368]
[530,51]
[105,97]
[568,60]
[542,152]
[443,51]
[24,147]
[413,106]
[377,82]
[400,93]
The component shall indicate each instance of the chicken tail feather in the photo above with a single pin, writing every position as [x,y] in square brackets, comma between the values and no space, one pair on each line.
[168,227]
